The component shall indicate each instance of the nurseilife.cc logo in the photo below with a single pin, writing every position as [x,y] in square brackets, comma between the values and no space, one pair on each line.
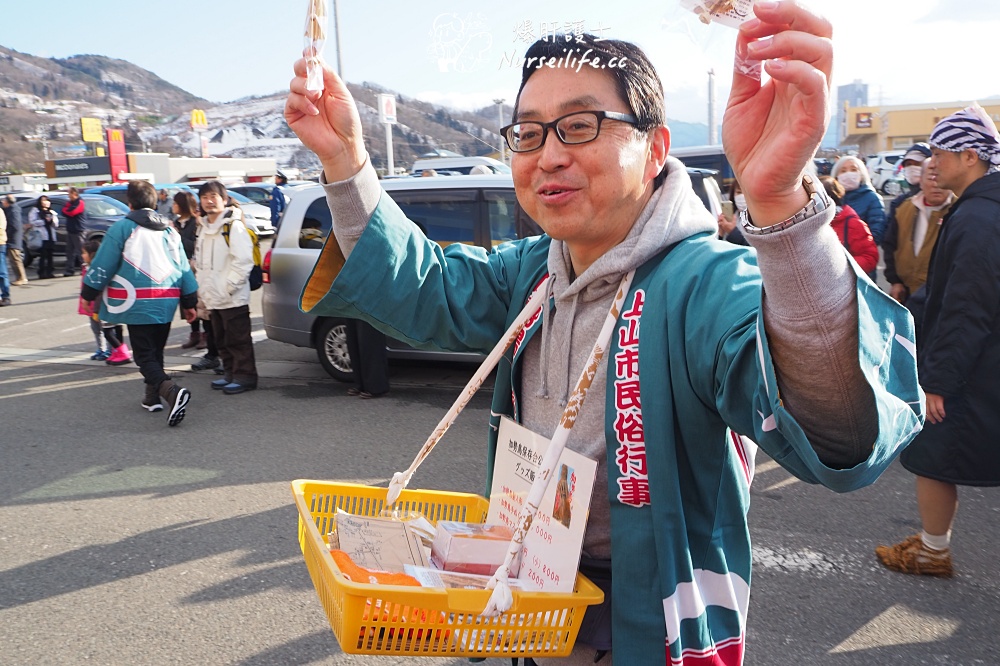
[459,44]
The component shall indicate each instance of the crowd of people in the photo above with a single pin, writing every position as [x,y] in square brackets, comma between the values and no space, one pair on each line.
[144,269]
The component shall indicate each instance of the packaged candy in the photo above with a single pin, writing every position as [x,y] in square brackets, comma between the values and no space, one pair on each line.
[315,39]
[726,12]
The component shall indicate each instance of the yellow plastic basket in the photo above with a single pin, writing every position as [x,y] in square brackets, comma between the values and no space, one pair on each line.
[400,620]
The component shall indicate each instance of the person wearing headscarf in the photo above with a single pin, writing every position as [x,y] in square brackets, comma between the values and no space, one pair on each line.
[958,357]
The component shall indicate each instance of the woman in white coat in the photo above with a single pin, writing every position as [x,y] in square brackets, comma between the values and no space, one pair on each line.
[223,259]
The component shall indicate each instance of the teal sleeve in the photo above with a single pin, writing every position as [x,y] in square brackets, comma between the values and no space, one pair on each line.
[727,362]
[887,356]
[408,287]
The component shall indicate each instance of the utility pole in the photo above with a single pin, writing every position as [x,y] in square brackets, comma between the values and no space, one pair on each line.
[499,103]
[713,132]
[336,32]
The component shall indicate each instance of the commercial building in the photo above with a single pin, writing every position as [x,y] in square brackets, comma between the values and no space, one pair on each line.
[877,128]
[158,168]
[22,182]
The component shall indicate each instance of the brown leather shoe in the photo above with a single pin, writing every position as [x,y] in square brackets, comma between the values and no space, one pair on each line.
[911,556]
[192,340]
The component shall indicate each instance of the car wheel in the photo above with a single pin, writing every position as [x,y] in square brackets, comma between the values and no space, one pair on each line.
[331,347]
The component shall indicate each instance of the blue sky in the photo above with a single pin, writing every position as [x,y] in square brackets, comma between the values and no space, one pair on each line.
[458,51]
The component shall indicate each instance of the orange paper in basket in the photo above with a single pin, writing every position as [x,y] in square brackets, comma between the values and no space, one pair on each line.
[361,575]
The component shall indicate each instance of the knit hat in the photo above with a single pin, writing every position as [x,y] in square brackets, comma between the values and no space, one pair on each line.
[918,152]
[969,129]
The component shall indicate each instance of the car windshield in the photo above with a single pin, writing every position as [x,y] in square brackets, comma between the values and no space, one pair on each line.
[102,203]
[239,198]
[105,207]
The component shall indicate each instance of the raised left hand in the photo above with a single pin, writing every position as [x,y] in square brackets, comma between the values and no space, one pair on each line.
[771,130]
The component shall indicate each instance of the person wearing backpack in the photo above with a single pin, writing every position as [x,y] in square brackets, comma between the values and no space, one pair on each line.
[224,260]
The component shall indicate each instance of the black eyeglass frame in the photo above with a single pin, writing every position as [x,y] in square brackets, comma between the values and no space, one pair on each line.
[600,115]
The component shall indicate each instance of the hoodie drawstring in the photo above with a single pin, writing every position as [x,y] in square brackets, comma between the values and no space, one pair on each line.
[568,347]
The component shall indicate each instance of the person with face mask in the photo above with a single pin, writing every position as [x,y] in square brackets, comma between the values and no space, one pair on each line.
[850,172]
[912,170]
[729,230]
[909,242]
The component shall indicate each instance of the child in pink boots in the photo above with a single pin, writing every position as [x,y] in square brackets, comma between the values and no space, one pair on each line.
[113,333]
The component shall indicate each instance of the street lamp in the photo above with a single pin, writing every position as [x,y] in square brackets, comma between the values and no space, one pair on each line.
[499,103]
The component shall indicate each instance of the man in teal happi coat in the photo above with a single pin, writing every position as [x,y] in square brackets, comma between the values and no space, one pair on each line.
[788,345]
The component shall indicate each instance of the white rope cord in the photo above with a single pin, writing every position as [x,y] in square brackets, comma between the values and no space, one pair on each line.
[401,479]
[502,599]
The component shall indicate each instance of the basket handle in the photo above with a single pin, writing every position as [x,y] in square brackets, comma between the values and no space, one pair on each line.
[401,479]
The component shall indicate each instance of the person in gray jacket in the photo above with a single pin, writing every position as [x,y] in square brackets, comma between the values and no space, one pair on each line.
[15,240]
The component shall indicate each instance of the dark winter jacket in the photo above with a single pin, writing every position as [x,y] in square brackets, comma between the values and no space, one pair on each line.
[868,205]
[75,213]
[958,350]
[188,232]
[15,230]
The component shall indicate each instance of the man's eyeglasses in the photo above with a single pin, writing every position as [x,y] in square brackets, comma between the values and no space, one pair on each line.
[572,129]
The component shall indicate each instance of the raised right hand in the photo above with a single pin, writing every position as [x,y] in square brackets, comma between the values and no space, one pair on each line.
[327,123]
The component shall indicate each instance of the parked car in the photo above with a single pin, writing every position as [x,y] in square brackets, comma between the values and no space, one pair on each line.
[101,213]
[462,165]
[477,210]
[118,190]
[259,217]
[706,185]
[259,193]
[882,169]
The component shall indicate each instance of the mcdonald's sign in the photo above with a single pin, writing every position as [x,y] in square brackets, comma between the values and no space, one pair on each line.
[117,159]
[198,121]
[92,130]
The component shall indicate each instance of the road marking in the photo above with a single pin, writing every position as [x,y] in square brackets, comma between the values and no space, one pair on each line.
[767,466]
[310,370]
[34,378]
[4,321]
[781,484]
[51,388]
[899,625]
[27,323]
[75,328]
[803,560]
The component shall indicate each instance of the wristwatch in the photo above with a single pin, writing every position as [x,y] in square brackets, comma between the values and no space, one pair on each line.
[818,202]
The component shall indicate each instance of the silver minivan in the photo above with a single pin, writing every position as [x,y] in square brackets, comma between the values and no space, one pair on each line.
[477,210]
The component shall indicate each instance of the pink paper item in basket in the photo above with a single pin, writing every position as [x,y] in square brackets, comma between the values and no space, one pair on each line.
[471,548]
